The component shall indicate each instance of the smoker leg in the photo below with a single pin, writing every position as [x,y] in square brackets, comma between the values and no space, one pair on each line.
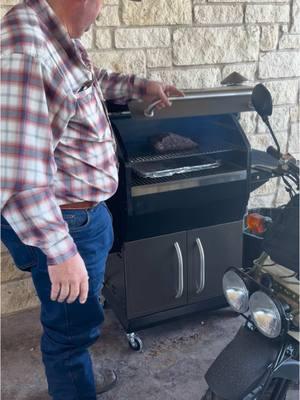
[134,341]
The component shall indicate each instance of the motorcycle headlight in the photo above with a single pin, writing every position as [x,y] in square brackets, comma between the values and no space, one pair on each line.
[235,291]
[265,314]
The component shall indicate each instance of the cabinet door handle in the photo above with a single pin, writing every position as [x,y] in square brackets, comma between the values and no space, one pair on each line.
[201,285]
[180,271]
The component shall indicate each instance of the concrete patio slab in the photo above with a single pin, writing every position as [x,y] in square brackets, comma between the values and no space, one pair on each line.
[172,365]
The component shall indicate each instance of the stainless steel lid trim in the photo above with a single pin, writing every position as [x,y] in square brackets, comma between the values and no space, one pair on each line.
[149,111]
[197,102]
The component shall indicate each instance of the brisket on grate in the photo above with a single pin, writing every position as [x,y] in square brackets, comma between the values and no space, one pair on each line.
[168,142]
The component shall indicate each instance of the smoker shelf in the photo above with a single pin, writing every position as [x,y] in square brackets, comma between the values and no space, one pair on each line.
[226,173]
[174,166]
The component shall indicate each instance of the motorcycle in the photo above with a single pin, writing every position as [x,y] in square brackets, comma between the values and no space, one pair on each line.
[262,360]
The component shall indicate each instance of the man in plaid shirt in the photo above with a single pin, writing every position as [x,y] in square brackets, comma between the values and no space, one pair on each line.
[58,167]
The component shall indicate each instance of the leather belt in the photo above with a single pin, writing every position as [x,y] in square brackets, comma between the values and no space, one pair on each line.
[78,206]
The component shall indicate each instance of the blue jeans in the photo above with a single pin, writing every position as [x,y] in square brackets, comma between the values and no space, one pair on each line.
[69,329]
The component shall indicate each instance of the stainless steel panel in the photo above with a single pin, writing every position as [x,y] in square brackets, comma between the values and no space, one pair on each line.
[214,101]
[188,183]
[156,274]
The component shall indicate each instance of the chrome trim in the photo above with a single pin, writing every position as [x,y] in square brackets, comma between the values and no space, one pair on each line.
[201,285]
[155,188]
[180,270]
[119,114]
[149,111]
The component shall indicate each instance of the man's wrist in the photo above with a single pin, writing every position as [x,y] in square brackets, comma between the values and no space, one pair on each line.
[61,251]
[139,87]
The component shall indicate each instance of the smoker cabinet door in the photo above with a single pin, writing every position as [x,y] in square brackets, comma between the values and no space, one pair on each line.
[211,251]
[156,274]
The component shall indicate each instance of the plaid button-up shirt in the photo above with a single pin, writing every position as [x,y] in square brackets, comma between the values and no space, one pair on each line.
[57,145]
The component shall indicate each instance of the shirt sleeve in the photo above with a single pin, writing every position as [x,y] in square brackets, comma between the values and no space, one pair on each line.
[27,160]
[120,87]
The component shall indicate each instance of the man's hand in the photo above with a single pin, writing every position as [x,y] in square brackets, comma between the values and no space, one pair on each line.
[157,90]
[69,280]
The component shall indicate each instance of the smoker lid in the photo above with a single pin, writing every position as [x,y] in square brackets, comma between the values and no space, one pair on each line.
[215,101]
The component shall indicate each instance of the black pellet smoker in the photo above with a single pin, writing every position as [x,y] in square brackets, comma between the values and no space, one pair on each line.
[178,215]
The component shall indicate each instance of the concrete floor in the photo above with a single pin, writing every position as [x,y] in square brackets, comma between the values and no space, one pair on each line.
[171,367]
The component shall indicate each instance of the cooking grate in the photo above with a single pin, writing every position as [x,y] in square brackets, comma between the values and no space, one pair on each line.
[190,153]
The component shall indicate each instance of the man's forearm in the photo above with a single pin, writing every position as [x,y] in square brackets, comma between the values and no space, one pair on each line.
[121,87]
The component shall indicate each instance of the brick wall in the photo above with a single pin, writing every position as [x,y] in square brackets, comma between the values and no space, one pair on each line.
[195,44]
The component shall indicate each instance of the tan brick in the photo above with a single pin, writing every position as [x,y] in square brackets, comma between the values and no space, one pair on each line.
[261,201]
[159,58]
[260,141]
[269,187]
[158,12]
[283,64]
[111,2]
[109,16]
[9,2]
[289,42]
[269,37]
[103,39]
[188,78]
[295,28]
[142,37]
[244,1]
[3,249]
[218,14]
[8,269]
[267,13]
[3,11]
[215,45]
[283,91]
[295,113]
[294,144]
[130,61]
[87,39]
[17,296]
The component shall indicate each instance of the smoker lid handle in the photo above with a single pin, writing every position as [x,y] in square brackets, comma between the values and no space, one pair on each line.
[149,111]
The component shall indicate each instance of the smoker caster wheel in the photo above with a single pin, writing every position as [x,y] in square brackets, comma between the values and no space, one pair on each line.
[135,342]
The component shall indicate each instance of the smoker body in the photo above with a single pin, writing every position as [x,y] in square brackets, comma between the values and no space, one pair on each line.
[176,235]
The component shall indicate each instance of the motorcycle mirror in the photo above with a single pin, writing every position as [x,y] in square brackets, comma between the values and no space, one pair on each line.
[262,101]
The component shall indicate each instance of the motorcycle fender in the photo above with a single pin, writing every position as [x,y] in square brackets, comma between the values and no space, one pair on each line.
[288,370]
[242,364]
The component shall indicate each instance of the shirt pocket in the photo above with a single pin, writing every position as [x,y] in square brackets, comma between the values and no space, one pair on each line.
[86,103]
[90,119]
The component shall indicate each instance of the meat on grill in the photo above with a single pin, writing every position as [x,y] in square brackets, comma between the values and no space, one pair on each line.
[167,142]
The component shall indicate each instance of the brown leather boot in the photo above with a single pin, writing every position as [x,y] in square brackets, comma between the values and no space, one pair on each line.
[105,379]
